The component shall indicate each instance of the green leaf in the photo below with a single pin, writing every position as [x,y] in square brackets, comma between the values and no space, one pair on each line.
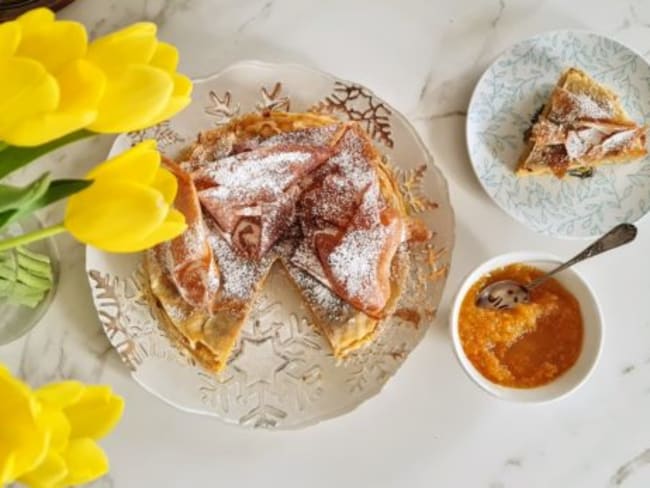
[60,189]
[15,197]
[13,158]
[3,146]
[7,217]
[57,190]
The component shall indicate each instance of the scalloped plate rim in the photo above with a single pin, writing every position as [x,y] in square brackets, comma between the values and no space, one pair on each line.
[445,197]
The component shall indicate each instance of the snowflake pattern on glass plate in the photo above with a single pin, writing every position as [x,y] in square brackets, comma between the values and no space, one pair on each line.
[281,373]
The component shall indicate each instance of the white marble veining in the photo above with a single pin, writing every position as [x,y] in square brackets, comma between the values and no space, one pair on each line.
[431,426]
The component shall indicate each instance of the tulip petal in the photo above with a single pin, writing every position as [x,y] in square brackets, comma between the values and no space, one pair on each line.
[182,85]
[16,396]
[85,462]
[15,392]
[165,57]
[167,184]
[175,105]
[173,226]
[49,473]
[82,86]
[47,127]
[53,44]
[113,215]
[7,467]
[179,100]
[24,437]
[59,427]
[140,164]
[175,217]
[9,38]
[133,99]
[38,17]
[135,44]
[27,90]
[61,394]
[96,413]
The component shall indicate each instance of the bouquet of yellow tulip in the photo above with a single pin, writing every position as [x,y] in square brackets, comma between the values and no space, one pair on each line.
[58,88]
[48,436]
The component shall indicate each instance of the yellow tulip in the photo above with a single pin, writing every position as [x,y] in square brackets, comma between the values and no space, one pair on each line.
[53,83]
[24,433]
[94,413]
[128,207]
[47,89]
[85,414]
[142,87]
[48,436]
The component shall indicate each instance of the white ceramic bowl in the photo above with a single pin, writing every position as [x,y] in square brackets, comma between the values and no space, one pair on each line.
[592,340]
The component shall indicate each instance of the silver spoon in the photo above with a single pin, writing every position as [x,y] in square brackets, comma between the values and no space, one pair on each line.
[506,294]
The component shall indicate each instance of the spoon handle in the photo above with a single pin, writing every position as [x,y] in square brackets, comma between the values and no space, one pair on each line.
[619,235]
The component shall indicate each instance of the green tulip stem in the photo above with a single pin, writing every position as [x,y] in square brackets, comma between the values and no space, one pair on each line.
[37,235]
[14,157]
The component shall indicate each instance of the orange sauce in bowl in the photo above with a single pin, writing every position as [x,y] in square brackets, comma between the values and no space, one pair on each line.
[529,345]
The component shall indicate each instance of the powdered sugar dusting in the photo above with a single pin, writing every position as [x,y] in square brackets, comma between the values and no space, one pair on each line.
[323,301]
[356,259]
[568,107]
[619,140]
[313,136]
[340,201]
[546,132]
[579,128]
[252,175]
[578,142]
[588,108]
[371,205]
[305,257]
[186,247]
[214,280]
[253,195]
[341,182]
[239,276]
[332,202]
[347,206]
[176,313]
[188,257]
[351,162]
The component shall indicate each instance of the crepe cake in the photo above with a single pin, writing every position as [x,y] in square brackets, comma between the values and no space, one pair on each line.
[183,274]
[210,329]
[252,195]
[302,190]
[581,126]
[348,227]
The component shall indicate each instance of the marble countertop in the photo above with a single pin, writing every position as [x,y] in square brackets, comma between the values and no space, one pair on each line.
[431,426]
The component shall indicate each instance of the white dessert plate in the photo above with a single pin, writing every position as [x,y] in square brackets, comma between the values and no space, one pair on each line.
[506,98]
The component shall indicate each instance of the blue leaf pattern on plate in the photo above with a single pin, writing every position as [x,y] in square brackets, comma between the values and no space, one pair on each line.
[506,98]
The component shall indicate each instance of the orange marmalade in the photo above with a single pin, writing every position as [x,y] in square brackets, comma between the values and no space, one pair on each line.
[529,345]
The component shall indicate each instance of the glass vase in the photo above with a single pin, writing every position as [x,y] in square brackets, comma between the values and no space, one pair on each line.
[17,319]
